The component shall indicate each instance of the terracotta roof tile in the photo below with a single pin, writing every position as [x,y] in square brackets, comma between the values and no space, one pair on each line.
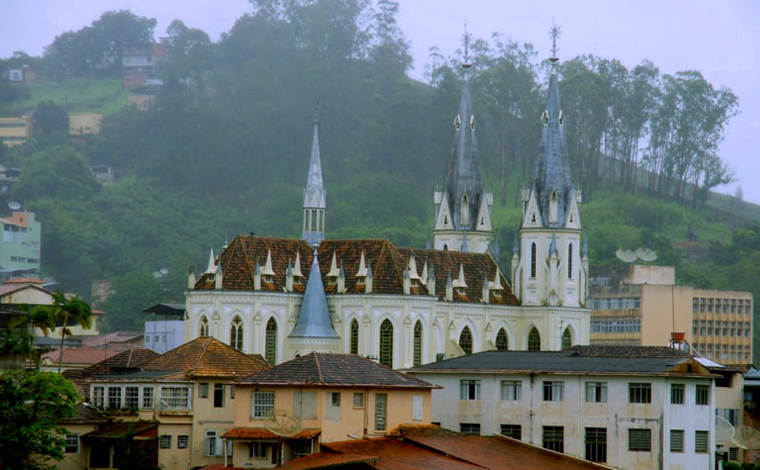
[266,434]
[205,357]
[329,460]
[121,361]
[118,430]
[395,455]
[78,355]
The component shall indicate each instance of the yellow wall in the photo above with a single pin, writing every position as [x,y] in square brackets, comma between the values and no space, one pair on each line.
[85,123]
[14,130]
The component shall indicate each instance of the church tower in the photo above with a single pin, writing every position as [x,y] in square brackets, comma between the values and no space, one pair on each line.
[314,195]
[549,265]
[463,208]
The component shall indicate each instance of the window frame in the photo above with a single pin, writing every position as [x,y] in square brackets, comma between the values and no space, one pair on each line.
[676,440]
[469,389]
[553,390]
[677,394]
[553,438]
[702,395]
[639,440]
[262,404]
[701,441]
[595,443]
[639,393]
[72,444]
[596,392]
[511,390]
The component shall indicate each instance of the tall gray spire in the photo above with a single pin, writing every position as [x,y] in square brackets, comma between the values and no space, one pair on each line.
[314,195]
[314,319]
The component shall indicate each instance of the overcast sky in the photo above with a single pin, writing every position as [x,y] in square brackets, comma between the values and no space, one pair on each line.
[719,38]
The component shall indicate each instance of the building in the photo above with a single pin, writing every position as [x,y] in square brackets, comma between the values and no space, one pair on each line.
[141,62]
[628,407]
[631,304]
[85,123]
[15,130]
[165,327]
[20,248]
[284,412]
[408,306]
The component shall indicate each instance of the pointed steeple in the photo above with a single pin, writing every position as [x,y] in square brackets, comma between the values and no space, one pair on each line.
[314,319]
[314,194]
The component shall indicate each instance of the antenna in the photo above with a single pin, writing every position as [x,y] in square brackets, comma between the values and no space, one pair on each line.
[466,39]
[14,205]
[746,437]
[283,423]
[724,430]
[555,32]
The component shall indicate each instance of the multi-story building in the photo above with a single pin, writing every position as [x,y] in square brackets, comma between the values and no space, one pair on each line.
[15,130]
[141,62]
[84,123]
[641,305]
[20,247]
[629,407]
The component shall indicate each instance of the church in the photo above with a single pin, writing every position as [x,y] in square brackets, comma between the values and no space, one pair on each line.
[407,306]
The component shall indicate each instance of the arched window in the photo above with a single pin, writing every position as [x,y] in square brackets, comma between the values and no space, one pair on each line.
[354,336]
[236,333]
[203,327]
[502,343]
[417,360]
[270,351]
[567,338]
[465,340]
[386,343]
[570,261]
[534,340]
[533,260]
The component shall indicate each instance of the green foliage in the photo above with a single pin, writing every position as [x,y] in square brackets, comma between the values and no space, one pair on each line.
[31,403]
[58,172]
[49,118]
[133,293]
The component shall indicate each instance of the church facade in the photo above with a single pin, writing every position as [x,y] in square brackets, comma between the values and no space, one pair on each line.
[283,298]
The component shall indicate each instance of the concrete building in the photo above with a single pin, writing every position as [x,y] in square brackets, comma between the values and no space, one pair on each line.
[85,123]
[15,130]
[141,62]
[21,245]
[628,407]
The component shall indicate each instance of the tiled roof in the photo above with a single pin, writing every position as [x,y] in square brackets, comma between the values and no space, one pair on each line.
[121,361]
[79,355]
[387,262]
[628,351]
[396,455]
[119,430]
[205,357]
[329,460]
[111,340]
[9,288]
[85,414]
[334,370]
[266,434]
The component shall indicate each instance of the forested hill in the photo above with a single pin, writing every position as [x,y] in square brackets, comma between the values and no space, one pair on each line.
[225,147]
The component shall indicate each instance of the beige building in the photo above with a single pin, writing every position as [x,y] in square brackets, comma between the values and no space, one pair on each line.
[15,130]
[85,123]
[641,305]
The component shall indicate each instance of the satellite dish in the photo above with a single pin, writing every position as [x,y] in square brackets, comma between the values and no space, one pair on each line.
[724,430]
[163,271]
[646,254]
[746,437]
[283,423]
[626,256]
[14,205]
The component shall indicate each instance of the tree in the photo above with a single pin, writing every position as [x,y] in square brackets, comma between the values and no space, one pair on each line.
[59,172]
[133,293]
[50,117]
[62,310]
[31,404]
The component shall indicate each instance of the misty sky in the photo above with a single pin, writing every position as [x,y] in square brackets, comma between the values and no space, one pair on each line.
[721,39]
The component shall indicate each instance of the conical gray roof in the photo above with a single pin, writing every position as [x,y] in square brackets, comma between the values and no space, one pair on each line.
[314,194]
[314,319]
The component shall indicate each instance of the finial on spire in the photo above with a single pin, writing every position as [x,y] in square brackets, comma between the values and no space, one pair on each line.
[316,113]
[554,33]
[466,40]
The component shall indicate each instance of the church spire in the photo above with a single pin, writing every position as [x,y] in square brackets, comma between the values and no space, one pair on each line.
[314,319]
[314,194]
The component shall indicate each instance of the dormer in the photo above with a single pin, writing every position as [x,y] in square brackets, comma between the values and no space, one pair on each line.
[459,283]
[191,280]
[341,279]
[298,276]
[495,286]
[218,278]
[333,274]
[449,296]
[361,273]
[368,281]
[267,273]
[414,278]
[257,276]
[430,280]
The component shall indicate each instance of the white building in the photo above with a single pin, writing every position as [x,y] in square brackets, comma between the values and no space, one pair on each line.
[629,407]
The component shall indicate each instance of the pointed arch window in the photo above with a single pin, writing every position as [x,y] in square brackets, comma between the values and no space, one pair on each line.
[236,333]
[270,342]
[567,338]
[502,342]
[203,327]
[533,256]
[354,336]
[570,261]
[534,340]
[386,343]
[417,346]
[465,340]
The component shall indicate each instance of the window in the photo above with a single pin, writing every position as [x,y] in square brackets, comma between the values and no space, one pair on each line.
[502,342]
[729,414]
[533,260]
[183,441]
[733,453]
[417,408]
[417,349]
[98,396]
[114,397]
[358,400]
[203,390]
[232,392]
[270,353]
[165,442]
[381,408]
[386,343]
[596,392]
[700,441]
[703,395]
[534,340]
[676,394]
[203,327]
[512,430]
[554,438]
[212,445]
[472,429]
[301,448]
[335,398]
[218,395]
[147,397]
[465,340]
[570,276]
[263,404]
[236,333]
[639,440]
[258,450]
[354,336]
[676,440]
[72,444]
[177,398]
[131,397]
[639,393]
[567,339]
[510,390]
[596,444]
[553,391]
[469,389]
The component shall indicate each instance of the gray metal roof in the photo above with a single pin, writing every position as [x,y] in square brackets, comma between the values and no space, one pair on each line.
[314,319]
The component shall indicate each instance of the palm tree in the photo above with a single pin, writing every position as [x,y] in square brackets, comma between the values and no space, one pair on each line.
[64,309]
[20,340]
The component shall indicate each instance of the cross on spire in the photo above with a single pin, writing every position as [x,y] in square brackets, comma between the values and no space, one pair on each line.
[466,40]
[554,33]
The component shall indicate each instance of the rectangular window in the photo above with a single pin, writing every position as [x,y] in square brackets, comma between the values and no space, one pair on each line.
[335,398]
[733,453]
[263,405]
[301,448]
[258,450]
[175,398]
[72,443]
[512,430]
[510,390]
[554,438]
[700,441]
[232,392]
[114,397]
[131,397]
[147,397]
[417,408]
[183,441]
[358,400]
[640,393]
[676,440]
[553,390]
[218,395]
[98,396]
[203,390]
[676,394]
[472,429]
[165,442]
[469,389]
[381,408]
[596,444]
[703,395]
[640,440]
[211,445]
[596,392]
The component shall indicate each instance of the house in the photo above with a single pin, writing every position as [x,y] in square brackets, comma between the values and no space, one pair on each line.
[120,362]
[15,130]
[165,327]
[629,407]
[85,123]
[284,412]
[86,420]
[180,401]
[21,245]
[141,62]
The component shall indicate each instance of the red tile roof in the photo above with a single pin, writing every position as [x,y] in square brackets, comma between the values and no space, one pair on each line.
[396,455]
[119,430]
[333,370]
[329,460]
[79,355]
[206,357]
[266,434]
[130,358]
